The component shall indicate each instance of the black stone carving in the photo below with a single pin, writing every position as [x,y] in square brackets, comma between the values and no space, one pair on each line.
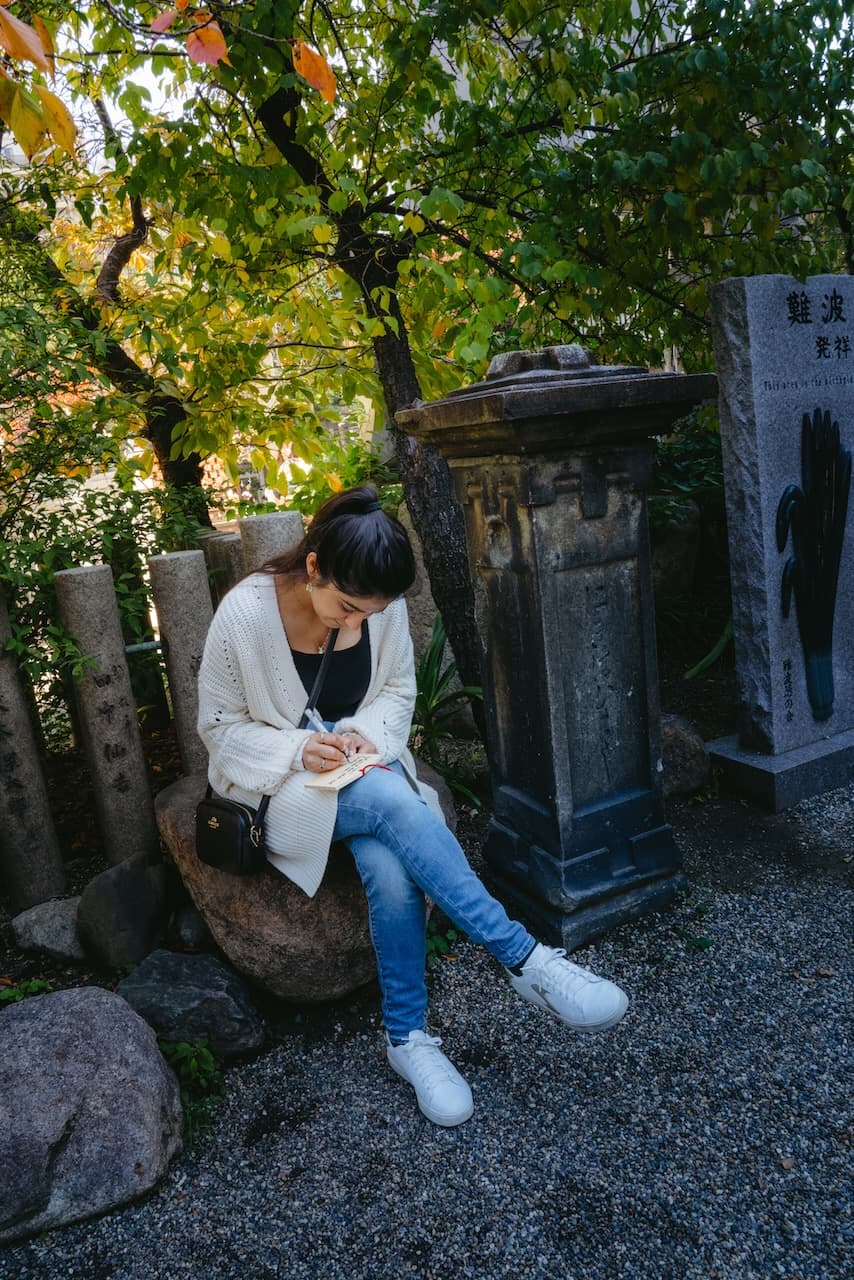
[816,515]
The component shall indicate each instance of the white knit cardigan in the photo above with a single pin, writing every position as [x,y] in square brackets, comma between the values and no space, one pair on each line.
[251,700]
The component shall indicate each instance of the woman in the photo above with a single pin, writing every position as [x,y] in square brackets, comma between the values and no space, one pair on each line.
[261,656]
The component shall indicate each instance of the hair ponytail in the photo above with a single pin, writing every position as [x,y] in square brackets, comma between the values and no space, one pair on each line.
[360,548]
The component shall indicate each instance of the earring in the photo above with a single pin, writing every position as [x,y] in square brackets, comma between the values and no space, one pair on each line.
[309,586]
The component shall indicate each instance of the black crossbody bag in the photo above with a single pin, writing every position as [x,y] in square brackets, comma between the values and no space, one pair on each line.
[230,835]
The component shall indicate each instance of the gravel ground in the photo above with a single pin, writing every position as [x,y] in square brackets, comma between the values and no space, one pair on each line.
[702,1139]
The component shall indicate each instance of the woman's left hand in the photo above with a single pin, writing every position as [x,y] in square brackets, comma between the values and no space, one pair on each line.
[357,745]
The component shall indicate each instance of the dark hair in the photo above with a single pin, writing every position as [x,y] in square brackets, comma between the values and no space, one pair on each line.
[360,548]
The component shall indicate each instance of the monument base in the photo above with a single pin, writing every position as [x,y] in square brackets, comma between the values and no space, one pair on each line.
[776,782]
[573,929]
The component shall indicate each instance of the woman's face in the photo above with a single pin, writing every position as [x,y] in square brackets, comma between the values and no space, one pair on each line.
[335,608]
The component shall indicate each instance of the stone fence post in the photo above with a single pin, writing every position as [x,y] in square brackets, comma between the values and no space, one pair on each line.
[264,537]
[182,599]
[223,554]
[111,737]
[551,457]
[30,858]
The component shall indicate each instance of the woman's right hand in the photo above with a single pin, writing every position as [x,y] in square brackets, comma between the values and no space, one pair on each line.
[324,751]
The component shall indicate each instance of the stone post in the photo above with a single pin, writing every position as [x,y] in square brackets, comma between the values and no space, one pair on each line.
[30,858]
[111,738]
[551,457]
[269,535]
[182,598]
[223,554]
[785,357]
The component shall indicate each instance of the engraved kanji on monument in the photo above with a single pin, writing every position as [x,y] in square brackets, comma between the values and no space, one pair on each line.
[785,357]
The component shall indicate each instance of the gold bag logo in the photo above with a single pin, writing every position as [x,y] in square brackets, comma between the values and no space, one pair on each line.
[213,822]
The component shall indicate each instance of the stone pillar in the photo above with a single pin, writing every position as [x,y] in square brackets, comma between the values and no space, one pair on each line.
[270,535]
[551,457]
[223,554]
[179,584]
[111,738]
[30,858]
[785,356]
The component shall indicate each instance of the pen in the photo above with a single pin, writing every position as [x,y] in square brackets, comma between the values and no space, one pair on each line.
[315,723]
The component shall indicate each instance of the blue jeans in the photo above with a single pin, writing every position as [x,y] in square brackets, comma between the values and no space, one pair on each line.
[403,851]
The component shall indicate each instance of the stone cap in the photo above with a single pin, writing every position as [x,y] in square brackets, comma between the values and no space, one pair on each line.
[551,400]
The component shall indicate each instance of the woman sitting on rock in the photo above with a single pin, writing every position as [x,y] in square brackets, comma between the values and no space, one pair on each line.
[261,657]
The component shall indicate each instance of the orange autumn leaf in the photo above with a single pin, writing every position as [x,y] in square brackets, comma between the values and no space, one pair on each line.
[314,68]
[46,39]
[181,5]
[207,44]
[21,41]
[60,125]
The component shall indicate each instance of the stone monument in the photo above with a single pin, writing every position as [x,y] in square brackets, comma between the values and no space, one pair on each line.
[551,456]
[785,357]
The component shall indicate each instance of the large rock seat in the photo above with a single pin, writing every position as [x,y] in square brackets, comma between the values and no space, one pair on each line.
[299,948]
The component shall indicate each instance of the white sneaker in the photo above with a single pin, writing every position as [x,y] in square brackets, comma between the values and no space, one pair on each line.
[442,1093]
[571,993]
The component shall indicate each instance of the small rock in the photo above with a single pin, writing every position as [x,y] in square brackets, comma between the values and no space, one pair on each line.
[686,761]
[189,997]
[50,927]
[191,929]
[121,912]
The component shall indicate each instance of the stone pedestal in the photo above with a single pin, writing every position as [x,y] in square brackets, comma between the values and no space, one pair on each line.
[551,457]
[785,356]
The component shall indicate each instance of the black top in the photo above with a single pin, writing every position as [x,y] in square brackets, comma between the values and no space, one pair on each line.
[347,677]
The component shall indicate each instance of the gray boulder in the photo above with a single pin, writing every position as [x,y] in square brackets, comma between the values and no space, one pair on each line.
[686,761]
[121,912]
[189,997]
[90,1113]
[50,927]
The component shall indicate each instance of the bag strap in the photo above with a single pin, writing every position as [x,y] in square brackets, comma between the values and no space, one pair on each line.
[319,678]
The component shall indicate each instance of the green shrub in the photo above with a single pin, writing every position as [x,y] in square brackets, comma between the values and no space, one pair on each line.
[200,1079]
[435,706]
[23,990]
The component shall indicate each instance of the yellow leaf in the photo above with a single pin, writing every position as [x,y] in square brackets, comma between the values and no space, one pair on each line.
[336,484]
[7,93]
[62,128]
[21,41]
[414,222]
[220,246]
[27,122]
[322,233]
[207,44]
[314,68]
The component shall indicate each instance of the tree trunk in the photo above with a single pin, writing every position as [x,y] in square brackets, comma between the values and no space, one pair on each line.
[426,476]
[372,261]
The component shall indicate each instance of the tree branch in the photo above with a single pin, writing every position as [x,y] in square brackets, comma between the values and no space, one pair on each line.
[107,284]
